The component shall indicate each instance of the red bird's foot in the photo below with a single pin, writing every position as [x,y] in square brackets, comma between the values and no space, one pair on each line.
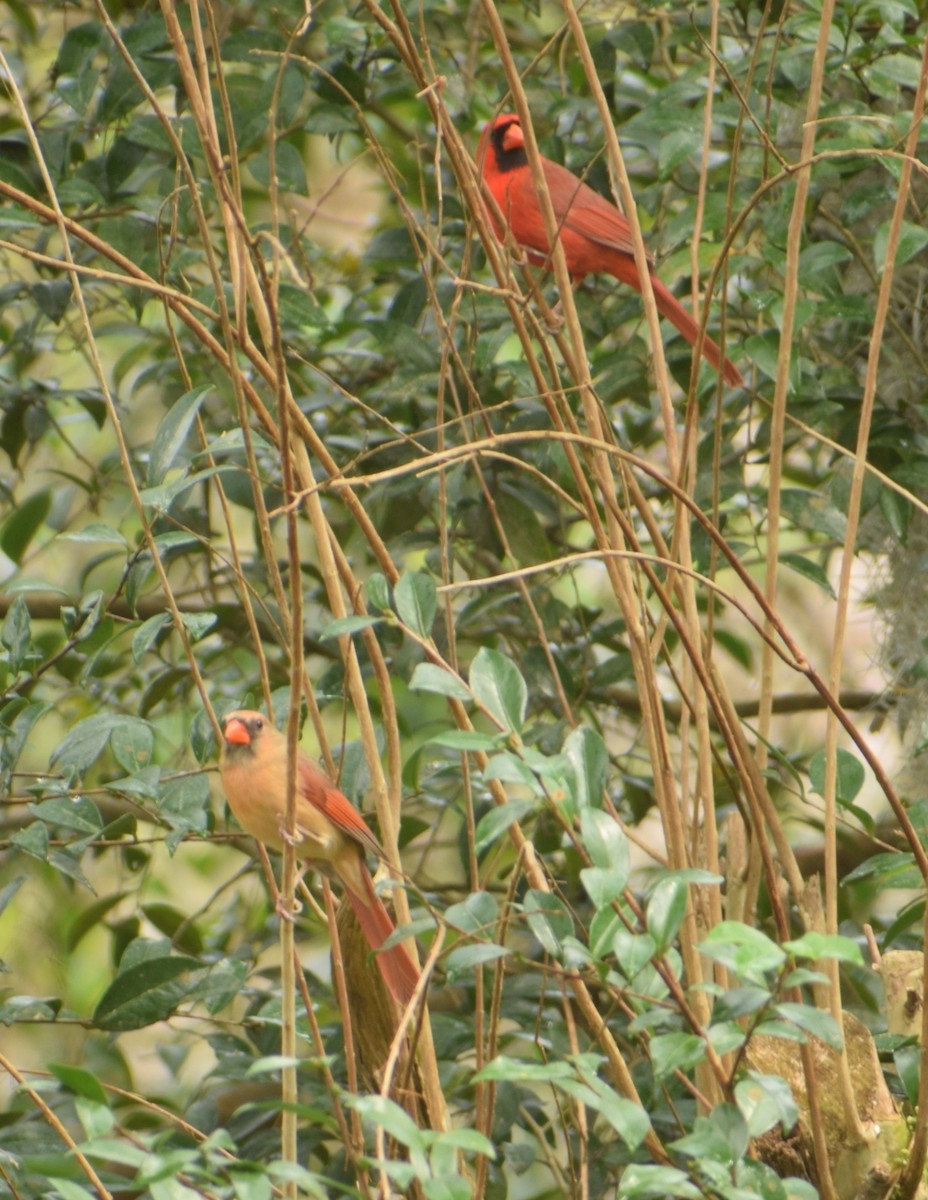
[554,319]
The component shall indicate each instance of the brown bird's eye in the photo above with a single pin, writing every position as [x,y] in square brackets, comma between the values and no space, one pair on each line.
[259,724]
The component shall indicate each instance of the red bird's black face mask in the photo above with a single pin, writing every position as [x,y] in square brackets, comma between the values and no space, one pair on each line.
[508,144]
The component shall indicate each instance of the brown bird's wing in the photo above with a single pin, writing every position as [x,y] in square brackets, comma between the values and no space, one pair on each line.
[321,793]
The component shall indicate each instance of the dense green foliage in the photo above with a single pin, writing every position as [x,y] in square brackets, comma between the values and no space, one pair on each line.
[267,400]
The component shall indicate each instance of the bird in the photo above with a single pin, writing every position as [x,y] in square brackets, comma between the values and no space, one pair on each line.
[595,235]
[329,830]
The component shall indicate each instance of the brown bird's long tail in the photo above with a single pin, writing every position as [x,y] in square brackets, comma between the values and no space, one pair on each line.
[399,971]
[671,308]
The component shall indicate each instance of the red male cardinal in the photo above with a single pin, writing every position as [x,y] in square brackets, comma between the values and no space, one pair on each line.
[594,234]
[329,829]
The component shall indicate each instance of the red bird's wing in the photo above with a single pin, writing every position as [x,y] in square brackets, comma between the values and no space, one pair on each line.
[321,793]
[583,211]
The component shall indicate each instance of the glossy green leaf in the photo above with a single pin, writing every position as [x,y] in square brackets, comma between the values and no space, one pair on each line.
[23,523]
[666,910]
[493,824]
[820,945]
[548,919]
[416,602]
[144,994]
[498,686]
[849,779]
[173,432]
[15,633]
[588,758]
[428,677]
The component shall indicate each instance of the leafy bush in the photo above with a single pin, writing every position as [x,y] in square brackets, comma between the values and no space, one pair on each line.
[283,424]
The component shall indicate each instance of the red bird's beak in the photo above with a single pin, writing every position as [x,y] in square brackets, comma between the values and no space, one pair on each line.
[236,733]
[513,137]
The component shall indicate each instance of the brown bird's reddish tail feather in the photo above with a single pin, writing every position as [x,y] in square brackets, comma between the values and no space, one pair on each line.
[399,971]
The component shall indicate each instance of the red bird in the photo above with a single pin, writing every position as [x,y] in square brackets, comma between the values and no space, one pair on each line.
[329,829]
[594,234]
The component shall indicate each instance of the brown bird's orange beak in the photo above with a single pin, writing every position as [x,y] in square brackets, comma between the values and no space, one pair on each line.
[236,733]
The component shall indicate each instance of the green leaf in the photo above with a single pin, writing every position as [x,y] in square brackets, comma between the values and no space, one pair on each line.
[642,1181]
[144,994]
[548,918]
[746,951]
[666,910]
[462,960]
[416,602]
[52,297]
[429,677]
[79,1081]
[378,592]
[479,913]
[495,822]
[172,433]
[15,635]
[765,1101]
[675,1052]
[185,806]
[390,1117]
[148,633]
[633,951]
[79,814]
[289,168]
[898,513]
[498,686]
[162,496]
[198,625]
[912,238]
[605,842]
[23,523]
[820,945]
[628,1119]
[810,570]
[908,1062]
[814,1021]
[9,891]
[68,1190]
[588,758]
[174,924]
[250,1184]
[849,780]
[347,625]
[504,1069]
[94,532]
[603,885]
[447,1187]
[84,743]
[466,739]
[33,840]
[512,768]
[132,743]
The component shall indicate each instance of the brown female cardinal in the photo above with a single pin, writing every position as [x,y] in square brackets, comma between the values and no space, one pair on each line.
[594,234]
[329,829]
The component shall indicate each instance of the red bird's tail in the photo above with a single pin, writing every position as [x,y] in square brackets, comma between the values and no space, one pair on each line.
[671,308]
[396,966]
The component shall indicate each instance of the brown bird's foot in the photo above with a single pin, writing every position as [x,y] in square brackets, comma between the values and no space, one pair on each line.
[286,911]
[288,838]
